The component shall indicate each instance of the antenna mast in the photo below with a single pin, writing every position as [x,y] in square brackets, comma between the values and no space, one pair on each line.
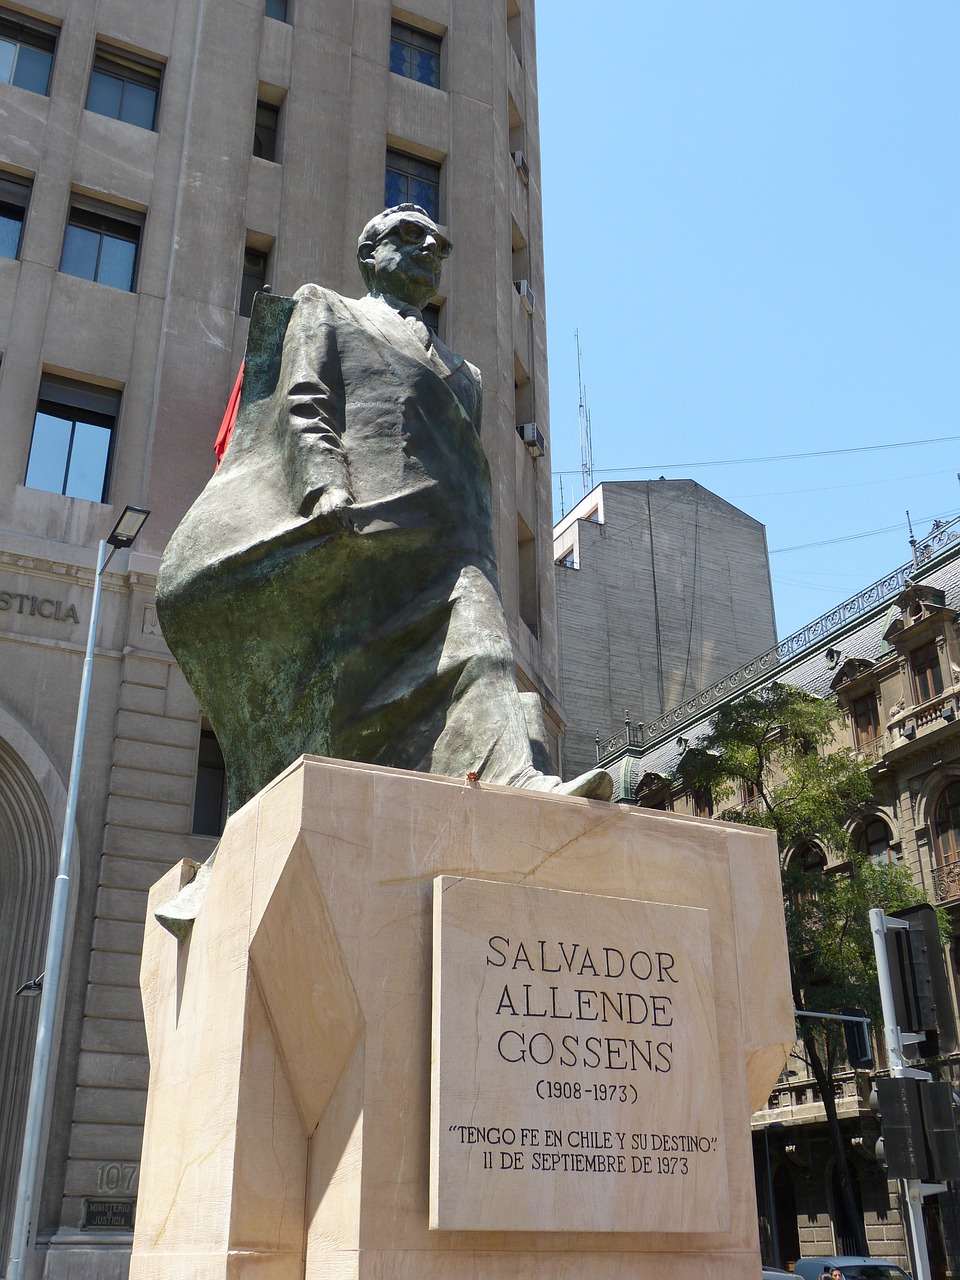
[586,436]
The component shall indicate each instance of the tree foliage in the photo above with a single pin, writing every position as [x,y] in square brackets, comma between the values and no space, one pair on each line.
[775,754]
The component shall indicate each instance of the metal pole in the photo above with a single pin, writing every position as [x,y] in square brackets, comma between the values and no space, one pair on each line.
[891,1031]
[911,1193]
[913,1196]
[49,998]
[771,1208]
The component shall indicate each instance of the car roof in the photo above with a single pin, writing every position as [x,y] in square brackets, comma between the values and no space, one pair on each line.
[842,1260]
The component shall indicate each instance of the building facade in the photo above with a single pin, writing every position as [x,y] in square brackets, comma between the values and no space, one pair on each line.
[160,162]
[662,587]
[891,658]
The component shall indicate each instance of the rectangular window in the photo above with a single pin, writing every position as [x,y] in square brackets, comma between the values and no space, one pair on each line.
[124,88]
[412,181]
[866,721]
[101,248]
[514,33]
[210,796]
[265,132]
[927,676]
[415,54]
[431,318]
[277,9]
[529,587]
[26,54]
[254,278]
[14,197]
[751,794]
[72,439]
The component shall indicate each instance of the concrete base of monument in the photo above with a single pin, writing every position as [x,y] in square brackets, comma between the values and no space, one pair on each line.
[424,1029]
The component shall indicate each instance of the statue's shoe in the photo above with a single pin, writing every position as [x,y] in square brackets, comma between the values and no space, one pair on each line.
[596,784]
[177,915]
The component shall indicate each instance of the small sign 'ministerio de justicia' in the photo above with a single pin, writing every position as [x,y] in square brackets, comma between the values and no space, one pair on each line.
[576,1075]
[108,1215]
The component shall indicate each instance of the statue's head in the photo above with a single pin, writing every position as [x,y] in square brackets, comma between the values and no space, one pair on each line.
[401,253]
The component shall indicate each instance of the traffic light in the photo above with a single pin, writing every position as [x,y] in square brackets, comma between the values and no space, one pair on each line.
[859,1048]
[921,991]
[919,1134]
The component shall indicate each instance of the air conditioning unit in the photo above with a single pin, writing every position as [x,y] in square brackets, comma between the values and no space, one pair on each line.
[527,296]
[520,160]
[532,437]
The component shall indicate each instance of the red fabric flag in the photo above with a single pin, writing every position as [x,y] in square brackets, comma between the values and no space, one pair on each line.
[229,418]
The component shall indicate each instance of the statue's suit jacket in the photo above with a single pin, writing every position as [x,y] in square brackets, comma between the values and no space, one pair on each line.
[333,590]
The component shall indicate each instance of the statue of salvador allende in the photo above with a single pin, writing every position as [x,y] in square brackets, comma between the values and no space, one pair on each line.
[333,590]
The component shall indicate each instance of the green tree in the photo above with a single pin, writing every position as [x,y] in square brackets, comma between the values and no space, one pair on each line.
[778,748]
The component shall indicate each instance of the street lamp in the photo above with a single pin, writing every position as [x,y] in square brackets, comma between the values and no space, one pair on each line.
[775,1126]
[123,534]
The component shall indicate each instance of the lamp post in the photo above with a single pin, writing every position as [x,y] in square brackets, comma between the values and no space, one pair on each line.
[777,1126]
[123,534]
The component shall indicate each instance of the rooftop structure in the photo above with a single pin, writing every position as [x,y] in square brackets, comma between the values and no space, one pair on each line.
[662,587]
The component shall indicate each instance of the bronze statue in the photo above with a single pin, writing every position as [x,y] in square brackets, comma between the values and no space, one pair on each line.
[333,590]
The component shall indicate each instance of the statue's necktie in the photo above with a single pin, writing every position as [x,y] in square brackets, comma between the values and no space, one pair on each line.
[414,320]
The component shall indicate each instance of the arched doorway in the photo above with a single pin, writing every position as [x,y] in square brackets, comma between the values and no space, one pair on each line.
[785,1208]
[845,1233]
[27,865]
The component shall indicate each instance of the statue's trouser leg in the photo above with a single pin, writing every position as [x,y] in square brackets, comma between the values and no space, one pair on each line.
[486,730]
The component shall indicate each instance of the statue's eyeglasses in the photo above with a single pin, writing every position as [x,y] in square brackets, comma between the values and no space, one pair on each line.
[409,231]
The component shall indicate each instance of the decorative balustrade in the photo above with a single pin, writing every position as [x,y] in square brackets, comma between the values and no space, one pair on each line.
[765,665]
[796,1097]
[871,748]
[631,735]
[925,716]
[940,536]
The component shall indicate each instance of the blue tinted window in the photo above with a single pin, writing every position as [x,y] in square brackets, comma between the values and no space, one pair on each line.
[276,9]
[26,56]
[124,88]
[104,94]
[8,56]
[87,469]
[118,258]
[139,105]
[14,194]
[409,180]
[81,249]
[11,224]
[47,467]
[33,70]
[96,247]
[415,54]
[72,439]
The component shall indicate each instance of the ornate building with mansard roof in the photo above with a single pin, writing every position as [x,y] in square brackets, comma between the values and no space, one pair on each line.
[891,657]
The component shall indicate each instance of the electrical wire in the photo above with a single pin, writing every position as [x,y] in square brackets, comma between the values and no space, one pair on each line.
[775,457]
[869,533]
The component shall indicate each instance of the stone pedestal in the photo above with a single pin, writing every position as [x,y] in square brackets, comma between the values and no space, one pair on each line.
[288,1128]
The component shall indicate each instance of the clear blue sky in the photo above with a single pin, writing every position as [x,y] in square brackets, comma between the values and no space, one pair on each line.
[752,214]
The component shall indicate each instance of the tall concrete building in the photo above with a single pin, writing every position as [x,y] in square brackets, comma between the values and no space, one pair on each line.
[662,587]
[159,161]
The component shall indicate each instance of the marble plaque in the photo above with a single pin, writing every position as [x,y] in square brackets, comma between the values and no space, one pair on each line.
[576,1082]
